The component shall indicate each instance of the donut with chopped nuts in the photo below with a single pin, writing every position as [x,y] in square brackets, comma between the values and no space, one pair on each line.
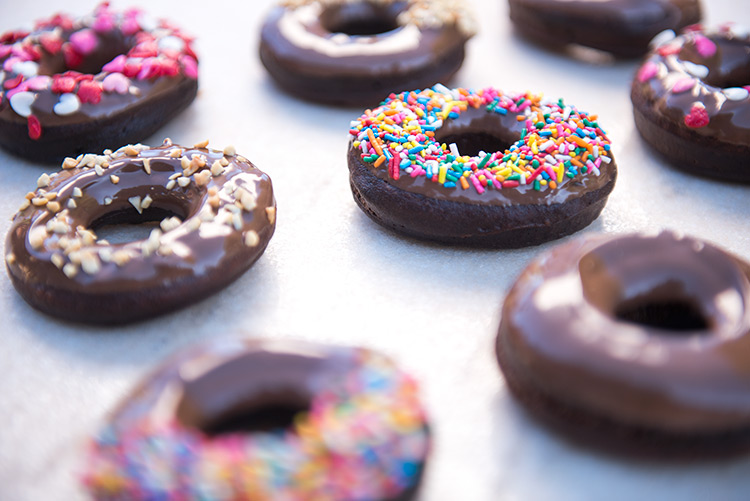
[76,85]
[354,52]
[263,419]
[691,101]
[480,167]
[216,210]
[623,28]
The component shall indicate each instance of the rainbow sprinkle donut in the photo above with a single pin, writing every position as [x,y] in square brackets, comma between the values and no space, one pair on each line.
[262,420]
[76,85]
[426,150]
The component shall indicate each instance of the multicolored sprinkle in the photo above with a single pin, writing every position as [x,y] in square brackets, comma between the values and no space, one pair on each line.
[159,50]
[557,142]
[363,438]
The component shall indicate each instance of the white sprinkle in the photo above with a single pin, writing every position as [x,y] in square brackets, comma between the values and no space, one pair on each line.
[67,105]
[237,222]
[454,150]
[662,38]
[736,93]
[172,43]
[697,70]
[21,103]
[105,253]
[90,263]
[171,184]
[28,69]
[70,270]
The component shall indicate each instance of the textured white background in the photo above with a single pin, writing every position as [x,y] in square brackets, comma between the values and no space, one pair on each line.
[332,275]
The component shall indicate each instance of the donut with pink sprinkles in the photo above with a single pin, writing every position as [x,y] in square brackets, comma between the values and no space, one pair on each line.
[73,85]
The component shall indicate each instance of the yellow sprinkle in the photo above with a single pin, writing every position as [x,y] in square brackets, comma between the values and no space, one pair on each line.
[441,173]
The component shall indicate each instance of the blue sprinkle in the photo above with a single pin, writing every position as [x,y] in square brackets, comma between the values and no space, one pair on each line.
[545,133]
[449,184]
[502,111]
[416,149]
[405,163]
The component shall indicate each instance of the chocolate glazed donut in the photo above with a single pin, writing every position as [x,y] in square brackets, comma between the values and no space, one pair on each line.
[265,419]
[217,214]
[691,101]
[418,166]
[355,53]
[74,86]
[638,343]
[623,28]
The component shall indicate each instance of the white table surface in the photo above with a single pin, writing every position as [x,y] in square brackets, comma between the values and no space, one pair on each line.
[332,275]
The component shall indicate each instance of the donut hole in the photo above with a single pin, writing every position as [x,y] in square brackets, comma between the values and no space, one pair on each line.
[127,225]
[473,142]
[268,418]
[361,18]
[670,315]
[734,70]
[109,46]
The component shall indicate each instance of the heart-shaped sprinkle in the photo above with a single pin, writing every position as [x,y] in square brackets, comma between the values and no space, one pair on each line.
[62,85]
[736,93]
[84,41]
[68,104]
[26,68]
[698,116]
[90,91]
[116,82]
[697,70]
[21,103]
[647,71]
[51,43]
[683,85]
[705,46]
[116,65]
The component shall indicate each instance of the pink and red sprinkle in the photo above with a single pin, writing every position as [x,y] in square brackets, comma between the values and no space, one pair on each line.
[698,117]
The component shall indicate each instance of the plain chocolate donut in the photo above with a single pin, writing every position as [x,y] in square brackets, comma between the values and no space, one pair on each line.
[74,86]
[417,167]
[217,214]
[356,52]
[639,342]
[691,101]
[623,28]
[265,419]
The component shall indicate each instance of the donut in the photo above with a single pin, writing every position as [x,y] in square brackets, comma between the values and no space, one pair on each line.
[216,211]
[76,85]
[480,168]
[354,52]
[638,344]
[691,101]
[622,28]
[265,419]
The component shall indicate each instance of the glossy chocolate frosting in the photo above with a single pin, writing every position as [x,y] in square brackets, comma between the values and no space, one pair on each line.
[621,27]
[225,215]
[305,57]
[357,418]
[691,87]
[567,333]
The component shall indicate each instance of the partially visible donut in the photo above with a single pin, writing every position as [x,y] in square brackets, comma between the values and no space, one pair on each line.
[217,214]
[481,168]
[691,101]
[637,343]
[354,52]
[76,85]
[263,420]
[623,28]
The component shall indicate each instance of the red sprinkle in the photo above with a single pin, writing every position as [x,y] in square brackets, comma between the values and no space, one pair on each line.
[14,82]
[697,118]
[35,128]
[72,58]
[63,85]
[51,43]
[90,92]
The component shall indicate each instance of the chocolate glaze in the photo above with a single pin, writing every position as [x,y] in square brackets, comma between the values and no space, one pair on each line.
[622,27]
[209,383]
[560,338]
[186,265]
[720,148]
[118,118]
[359,77]
[509,218]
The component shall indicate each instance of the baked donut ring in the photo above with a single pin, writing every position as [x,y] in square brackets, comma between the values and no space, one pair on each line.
[623,28]
[217,214]
[354,52]
[73,86]
[418,166]
[639,343]
[691,101]
[265,419]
